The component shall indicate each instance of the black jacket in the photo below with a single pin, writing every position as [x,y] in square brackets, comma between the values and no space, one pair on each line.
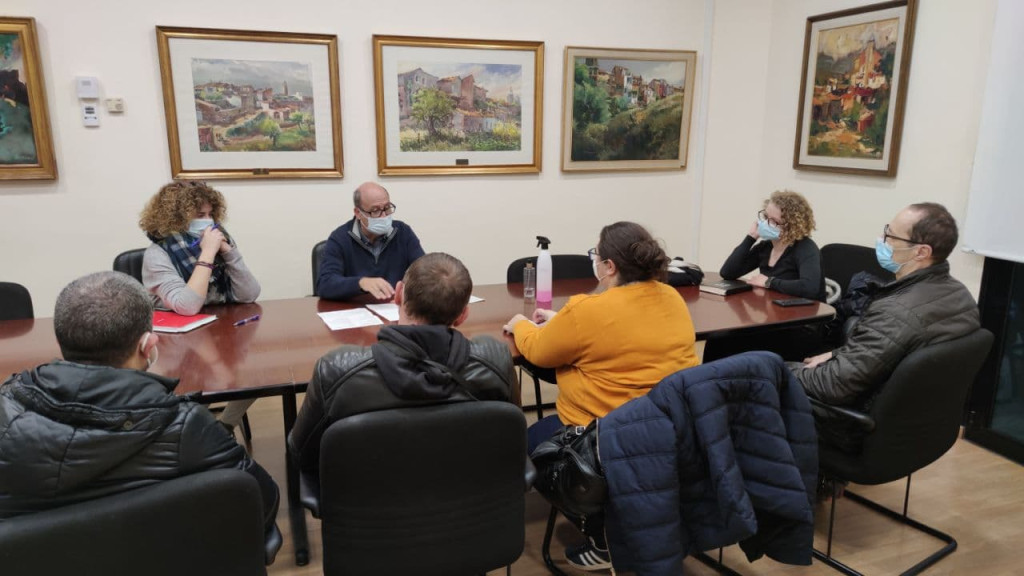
[73,432]
[394,373]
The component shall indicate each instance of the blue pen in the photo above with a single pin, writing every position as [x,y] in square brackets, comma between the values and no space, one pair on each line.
[247,320]
[200,239]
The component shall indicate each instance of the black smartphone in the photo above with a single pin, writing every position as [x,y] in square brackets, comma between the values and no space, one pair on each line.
[794,301]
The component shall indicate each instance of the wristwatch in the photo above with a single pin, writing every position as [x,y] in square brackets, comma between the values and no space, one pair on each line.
[768,283]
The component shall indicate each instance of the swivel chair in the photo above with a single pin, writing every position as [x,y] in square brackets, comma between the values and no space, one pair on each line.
[317,254]
[15,302]
[130,262]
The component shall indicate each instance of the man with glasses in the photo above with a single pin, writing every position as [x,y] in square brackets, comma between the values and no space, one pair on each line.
[370,253]
[923,305]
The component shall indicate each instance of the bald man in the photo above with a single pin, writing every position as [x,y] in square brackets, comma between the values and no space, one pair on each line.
[370,253]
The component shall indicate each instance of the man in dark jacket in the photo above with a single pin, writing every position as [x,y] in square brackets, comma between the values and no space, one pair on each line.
[96,423]
[421,361]
[923,305]
[369,253]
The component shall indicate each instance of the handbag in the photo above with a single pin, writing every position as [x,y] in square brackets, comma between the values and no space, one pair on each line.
[683,273]
[569,471]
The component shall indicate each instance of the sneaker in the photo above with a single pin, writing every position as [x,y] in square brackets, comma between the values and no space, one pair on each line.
[588,557]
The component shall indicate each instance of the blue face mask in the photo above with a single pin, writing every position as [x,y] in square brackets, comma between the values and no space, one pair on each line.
[196,226]
[883,252]
[767,231]
[379,226]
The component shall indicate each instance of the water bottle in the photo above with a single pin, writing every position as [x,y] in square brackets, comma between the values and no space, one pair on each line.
[543,270]
[529,281]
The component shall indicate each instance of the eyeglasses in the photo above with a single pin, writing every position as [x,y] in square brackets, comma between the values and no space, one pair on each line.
[593,254]
[763,216]
[886,236]
[378,212]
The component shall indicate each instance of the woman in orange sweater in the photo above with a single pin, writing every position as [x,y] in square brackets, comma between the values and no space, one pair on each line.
[609,346]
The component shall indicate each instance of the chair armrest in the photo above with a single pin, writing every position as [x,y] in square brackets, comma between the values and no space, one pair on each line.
[530,475]
[309,494]
[858,420]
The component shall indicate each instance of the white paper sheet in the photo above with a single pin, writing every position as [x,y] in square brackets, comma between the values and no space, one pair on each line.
[345,319]
[387,311]
[475,299]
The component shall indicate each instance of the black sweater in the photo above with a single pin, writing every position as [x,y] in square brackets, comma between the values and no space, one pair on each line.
[797,272]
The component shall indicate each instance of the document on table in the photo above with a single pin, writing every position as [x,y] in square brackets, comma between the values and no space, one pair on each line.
[387,311]
[345,319]
[475,299]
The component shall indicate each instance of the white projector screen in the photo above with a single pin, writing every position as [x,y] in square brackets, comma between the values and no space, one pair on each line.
[995,206]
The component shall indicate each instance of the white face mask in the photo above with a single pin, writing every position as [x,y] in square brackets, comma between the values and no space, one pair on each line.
[379,226]
[596,275]
[197,225]
[156,351]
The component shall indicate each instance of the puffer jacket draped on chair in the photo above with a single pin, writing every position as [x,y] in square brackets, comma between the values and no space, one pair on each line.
[713,455]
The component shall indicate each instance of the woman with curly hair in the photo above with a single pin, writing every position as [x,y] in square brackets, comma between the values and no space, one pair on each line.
[787,260]
[192,261]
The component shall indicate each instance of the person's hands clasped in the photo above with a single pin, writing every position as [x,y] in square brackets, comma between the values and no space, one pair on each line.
[540,315]
[510,326]
[212,242]
[379,288]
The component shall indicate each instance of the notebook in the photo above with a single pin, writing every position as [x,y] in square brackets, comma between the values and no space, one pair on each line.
[725,287]
[164,321]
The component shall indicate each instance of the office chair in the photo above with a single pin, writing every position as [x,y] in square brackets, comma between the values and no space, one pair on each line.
[913,421]
[841,261]
[209,523]
[432,490]
[317,254]
[130,262]
[15,302]
[563,267]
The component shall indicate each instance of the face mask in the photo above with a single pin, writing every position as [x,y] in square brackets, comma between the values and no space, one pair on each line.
[156,352]
[767,231]
[196,226]
[379,226]
[593,263]
[883,252]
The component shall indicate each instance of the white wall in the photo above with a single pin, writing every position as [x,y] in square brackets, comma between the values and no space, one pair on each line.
[753,108]
[54,232]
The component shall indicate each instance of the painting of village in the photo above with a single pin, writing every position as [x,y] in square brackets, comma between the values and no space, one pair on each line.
[853,73]
[253,106]
[450,106]
[17,141]
[627,109]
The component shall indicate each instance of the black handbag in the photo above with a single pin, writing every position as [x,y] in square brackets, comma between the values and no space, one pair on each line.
[682,273]
[569,471]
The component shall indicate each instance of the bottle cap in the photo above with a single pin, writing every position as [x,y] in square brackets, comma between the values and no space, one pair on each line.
[529,264]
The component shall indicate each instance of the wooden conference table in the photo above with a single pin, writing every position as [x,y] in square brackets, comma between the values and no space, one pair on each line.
[275,355]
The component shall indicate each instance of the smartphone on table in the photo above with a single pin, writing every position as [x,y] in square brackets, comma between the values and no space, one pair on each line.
[786,302]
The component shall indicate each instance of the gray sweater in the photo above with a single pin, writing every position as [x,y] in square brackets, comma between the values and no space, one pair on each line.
[170,291]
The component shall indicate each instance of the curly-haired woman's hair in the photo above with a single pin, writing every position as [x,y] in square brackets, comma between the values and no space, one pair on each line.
[637,256]
[796,213]
[171,209]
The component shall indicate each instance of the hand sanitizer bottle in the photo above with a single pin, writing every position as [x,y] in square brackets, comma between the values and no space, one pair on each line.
[543,270]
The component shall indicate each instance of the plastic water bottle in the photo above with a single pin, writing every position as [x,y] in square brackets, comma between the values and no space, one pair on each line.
[529,282]
[543,270]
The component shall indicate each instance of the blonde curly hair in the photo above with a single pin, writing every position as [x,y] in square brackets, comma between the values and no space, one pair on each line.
[171,209]
[796,213]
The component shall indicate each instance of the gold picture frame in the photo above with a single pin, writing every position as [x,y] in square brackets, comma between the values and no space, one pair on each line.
[458,106]
[851,106]
[626,109]
[251,104]
[26,144]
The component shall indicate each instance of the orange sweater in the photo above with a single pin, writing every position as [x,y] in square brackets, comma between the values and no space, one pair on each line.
[611,347]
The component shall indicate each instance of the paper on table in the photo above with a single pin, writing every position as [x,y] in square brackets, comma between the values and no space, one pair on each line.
[344,319]
[387,311]
[475,299]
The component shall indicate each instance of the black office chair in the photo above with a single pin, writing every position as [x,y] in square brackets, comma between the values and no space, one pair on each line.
[563,267]
[841,261]
[15,302]
[914,420]
[434,490]
[210,523]
[318,252]
[130,262]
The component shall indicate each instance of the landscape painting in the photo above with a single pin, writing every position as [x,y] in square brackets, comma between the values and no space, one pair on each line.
[26,150]
[854,80]
[250,104]
[626,109]
[455,106]
[247,106]
[459,106]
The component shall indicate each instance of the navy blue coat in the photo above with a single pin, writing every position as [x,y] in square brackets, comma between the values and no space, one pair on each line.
[346,261]
[713,455]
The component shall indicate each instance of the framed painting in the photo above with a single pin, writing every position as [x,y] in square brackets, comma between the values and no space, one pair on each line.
[853,89]
[452,106]
[243,104]
[26,147]
[626,109]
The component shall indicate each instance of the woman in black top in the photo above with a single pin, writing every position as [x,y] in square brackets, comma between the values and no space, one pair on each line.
[787,259]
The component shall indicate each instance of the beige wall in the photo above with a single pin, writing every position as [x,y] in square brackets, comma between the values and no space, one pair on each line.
[54,232]
[752,117]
